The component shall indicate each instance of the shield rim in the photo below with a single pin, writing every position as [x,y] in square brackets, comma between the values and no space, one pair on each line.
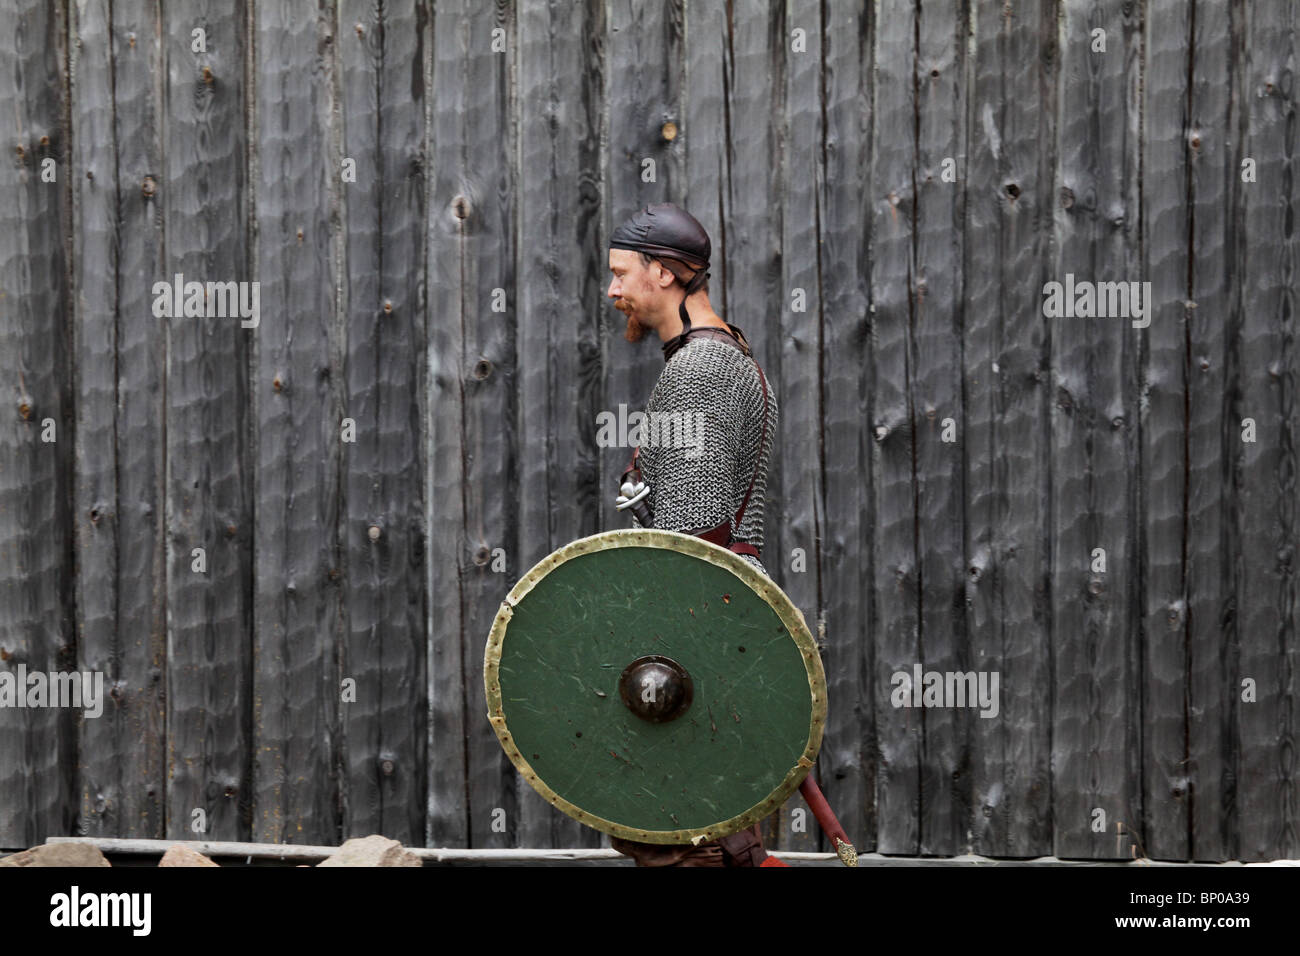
[757,581]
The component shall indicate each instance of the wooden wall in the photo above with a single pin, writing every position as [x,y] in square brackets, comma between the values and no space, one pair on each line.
[889,185]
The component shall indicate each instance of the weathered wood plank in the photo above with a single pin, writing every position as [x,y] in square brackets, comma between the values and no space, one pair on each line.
[472,252]
[1094,738]
[1265,469]
[846,767]
[896,583]
[1165,771]
[295,389]
[798,453]
[1214,169]
[1009,200]
[453,701]
[488,257]
[936,396]
[124,755]
[92,175]
[556,309]
[204,188]
[37,584]
[382,515]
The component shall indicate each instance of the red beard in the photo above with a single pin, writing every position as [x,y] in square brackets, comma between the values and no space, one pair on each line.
[635,331]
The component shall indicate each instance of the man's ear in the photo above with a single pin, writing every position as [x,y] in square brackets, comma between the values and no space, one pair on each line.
[664,278]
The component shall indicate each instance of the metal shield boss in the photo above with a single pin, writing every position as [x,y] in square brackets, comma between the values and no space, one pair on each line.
[655,686]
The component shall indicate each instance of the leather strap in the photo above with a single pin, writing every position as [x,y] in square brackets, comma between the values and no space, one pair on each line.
[744,848]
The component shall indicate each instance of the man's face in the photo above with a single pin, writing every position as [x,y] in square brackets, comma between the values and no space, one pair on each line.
[635,291]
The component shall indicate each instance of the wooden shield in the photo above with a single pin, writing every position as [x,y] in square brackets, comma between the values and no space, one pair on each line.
[585,706]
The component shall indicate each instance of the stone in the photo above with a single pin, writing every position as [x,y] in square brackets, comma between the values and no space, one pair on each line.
[180,855]
[374,850]
[58,854]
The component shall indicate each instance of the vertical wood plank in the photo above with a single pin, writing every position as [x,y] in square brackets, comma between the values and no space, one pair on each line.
[1009,202]
[1210,497]
[453,700]
[1165,770]
[1095,727]
[37,584]
[1265,469]
[204,189]
[556,310]
[895,584]
[472,252]
[382,516]
[846,766]
[799,449]
[123,788]
[92,175]
[936,395]
[295,388]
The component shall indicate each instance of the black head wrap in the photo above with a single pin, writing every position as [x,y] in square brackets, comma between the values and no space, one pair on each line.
[666,231]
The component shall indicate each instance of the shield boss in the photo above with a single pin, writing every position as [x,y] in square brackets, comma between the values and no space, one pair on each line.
[655,686]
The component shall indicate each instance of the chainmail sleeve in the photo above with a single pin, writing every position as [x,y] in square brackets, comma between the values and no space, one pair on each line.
[700,442]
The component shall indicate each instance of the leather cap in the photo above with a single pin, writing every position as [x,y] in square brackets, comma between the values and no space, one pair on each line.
[664,229]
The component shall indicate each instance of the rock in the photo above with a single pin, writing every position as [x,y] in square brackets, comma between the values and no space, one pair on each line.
[58,854]
[374,850]
[181,855]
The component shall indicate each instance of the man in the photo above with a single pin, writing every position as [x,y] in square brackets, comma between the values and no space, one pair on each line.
[714,485]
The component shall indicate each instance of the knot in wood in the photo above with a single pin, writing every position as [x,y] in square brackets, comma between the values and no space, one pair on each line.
[373,533]
[148,187]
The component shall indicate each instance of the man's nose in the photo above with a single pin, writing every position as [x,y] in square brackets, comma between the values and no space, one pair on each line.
[610,291]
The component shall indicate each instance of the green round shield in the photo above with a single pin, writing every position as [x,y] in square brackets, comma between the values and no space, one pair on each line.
[655,686]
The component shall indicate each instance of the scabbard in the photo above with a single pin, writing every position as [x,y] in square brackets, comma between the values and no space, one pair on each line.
[827,820]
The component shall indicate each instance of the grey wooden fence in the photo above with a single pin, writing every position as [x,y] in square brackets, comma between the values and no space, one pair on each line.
[889,185]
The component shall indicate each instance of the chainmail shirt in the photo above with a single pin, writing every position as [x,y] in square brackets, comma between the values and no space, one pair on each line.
[703,425]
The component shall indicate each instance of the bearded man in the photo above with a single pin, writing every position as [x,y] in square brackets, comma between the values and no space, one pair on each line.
[713,486]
